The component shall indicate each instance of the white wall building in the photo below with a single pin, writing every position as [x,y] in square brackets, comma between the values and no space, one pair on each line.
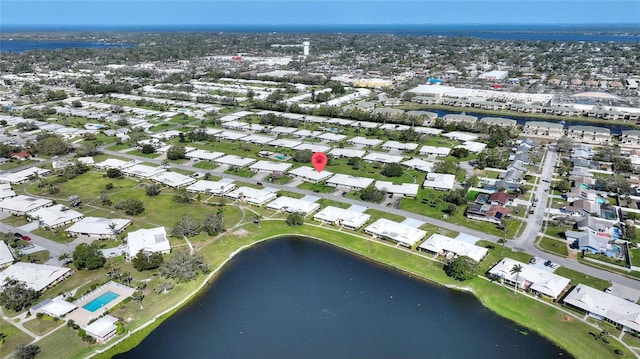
[349,182]
[35,276]
[254,196]
[342,217]
[446,246]
[439,181]
[152,240]
[217,188]
[96,227]
[397,232]
[293,205]
[55,216]
[23,204]
[530,278]
[309,174]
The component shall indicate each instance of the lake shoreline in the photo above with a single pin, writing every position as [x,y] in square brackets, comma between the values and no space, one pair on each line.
[133,339]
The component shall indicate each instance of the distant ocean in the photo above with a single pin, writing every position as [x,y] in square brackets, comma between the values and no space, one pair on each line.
[591,33]
[24,45]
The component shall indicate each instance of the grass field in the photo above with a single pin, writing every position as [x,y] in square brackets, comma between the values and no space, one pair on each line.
[554,246]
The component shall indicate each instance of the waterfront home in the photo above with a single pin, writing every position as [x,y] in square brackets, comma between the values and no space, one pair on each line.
[530,278]
[342,217]
[551,130]
[102,329]
[396,232]
[450,248]
[630,137]
[293,205]
[460,119]
[589,134]
[152,240]
[624,314]
[38,277]
[499,121]
[254,196]
[526,108]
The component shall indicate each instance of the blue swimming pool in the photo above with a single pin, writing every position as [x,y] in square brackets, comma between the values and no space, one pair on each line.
[280,157]
[99,302]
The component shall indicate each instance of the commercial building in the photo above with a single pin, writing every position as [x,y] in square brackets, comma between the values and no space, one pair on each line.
[397,232]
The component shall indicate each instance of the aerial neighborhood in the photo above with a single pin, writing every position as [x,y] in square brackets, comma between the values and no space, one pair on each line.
[122,181]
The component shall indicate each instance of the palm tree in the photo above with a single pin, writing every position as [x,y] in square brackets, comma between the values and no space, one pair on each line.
[517,269]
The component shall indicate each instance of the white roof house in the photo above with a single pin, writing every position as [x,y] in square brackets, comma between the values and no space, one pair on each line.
[605,306]
[22,204]
[332,137]
[102,329]
[217,188]
[285,142]
[257,139]
[280,130]
[460,136]
[342,217]
[254,196]
[6,257]
[230,135]
[395,145]
[34,276]
[405,189]
[22,176]
[397,232]
[304,133]
[443,245]
[173,179]
[98,227]
[235,161]
[203,155]
[312,146]
[435,151]
[367,142]
[152,240]
[382,157]
[531,278]
[310,174]
[349,182]
[472,146]
[6,191]
[347,152]
[270,166]
[143,171]
[420,165]
[293,205]
[113,163]
[57,307]
[55,216]
[439,181]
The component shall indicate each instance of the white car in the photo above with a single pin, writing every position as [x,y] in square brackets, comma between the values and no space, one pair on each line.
[608,290]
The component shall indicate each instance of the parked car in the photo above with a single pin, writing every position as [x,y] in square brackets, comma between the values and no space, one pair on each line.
[18,235]
[608,290]
[26,238]
[547,263]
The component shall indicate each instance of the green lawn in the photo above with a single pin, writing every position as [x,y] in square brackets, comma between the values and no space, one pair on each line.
[577,277]
[375,215]
[145,155]
[635,257]
[243,172]
[319,187]
[554,246]
[16,163]
[42,326]
[14,337]
[205,165]
[439,141]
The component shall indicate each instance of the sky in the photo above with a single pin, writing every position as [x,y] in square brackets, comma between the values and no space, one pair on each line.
[323,12]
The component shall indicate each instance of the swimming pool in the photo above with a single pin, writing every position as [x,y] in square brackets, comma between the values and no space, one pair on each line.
[99,302]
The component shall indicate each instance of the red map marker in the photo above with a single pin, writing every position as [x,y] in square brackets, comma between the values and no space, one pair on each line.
[319,161]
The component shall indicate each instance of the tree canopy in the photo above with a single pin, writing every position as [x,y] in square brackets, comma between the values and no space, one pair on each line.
[392,170]
[88,256]
[183,266]
[461,268]
[18,297]
[146,261]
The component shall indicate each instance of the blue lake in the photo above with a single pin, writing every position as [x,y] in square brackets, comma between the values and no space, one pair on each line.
[25,45]
[298,298]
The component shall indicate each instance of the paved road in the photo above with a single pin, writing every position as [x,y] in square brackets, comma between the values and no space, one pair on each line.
[525,243]
[55,249]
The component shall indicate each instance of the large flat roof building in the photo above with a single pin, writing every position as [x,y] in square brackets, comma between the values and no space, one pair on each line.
[35,276]
[55,216]
[23,204]
[152,240]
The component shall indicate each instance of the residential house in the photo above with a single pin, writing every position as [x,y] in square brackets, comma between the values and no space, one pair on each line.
[530,278]
[487,212]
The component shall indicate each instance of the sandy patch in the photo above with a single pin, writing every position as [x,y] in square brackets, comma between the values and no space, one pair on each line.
[241,232]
